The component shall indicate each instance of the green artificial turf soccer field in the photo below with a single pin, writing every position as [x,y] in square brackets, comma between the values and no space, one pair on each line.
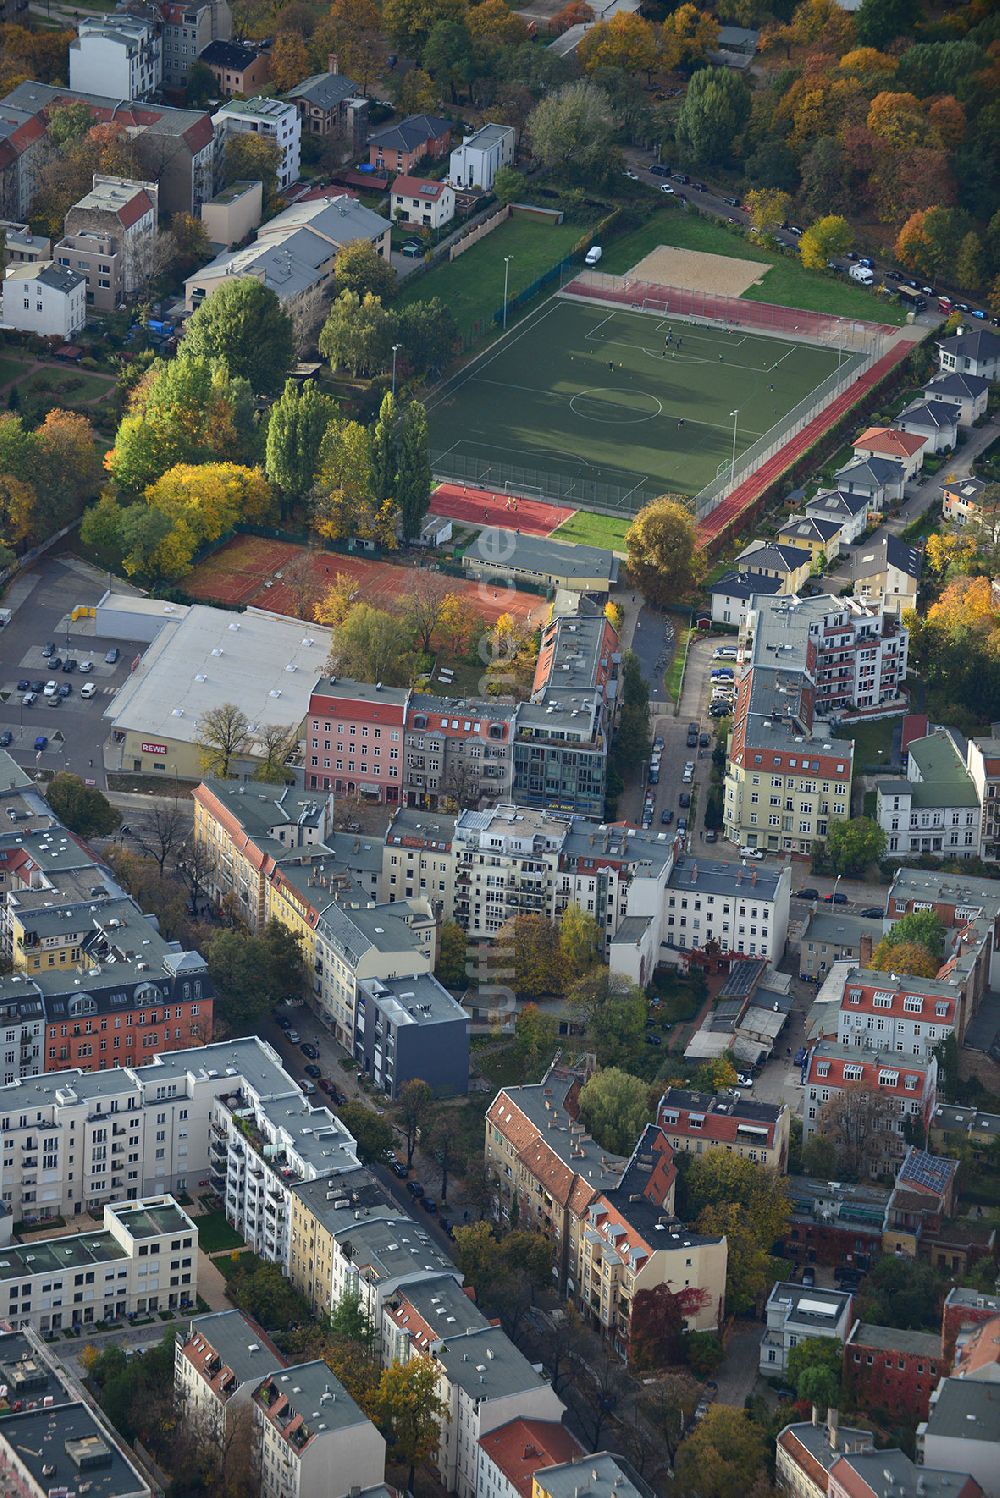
[592,393]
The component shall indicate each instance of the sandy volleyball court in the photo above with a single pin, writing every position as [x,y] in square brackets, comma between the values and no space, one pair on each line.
[693,270]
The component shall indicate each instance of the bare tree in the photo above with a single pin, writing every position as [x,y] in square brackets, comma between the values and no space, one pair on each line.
[193,863]
[421,604]
[668,1405]
[161,832]
[274,743]
[861,1121]
[223,734]
[460,784]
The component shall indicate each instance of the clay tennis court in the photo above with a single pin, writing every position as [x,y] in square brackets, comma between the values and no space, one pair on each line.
[292,579]
[532,517]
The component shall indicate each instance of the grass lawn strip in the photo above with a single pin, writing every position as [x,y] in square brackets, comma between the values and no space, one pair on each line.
[586,529]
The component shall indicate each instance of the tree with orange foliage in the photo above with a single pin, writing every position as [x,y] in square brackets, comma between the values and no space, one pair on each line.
[576,13]
[904,957]
[492,23]
[626,41]
[903,181]
[928,241]
[289,60]
[687,36]
[965,606]
[947,117]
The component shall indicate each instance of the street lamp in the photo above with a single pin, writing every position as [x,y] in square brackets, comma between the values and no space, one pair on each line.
[395,349]
[732,471]
[506,275]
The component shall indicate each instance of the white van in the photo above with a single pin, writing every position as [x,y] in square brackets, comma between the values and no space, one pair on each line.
[861,273]
[593,255]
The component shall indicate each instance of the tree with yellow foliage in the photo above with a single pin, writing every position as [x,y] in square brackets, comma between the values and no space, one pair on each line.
[200,502]
[904,957]
[456,623]
[493,24]
[898,119]
[289,60]
[510,670]
[965,605]
[829,237]
[627,41]
[17,508]
[768,209]
[868,63]
[338,600]
[687,36]
[948,553]
[344,502]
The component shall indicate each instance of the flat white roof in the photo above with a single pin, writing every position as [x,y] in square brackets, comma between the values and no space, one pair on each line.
[267,664]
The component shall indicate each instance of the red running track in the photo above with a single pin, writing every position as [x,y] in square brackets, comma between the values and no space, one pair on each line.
[726,515]
[534,517]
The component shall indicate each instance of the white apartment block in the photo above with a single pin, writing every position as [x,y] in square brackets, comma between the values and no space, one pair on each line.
[315,1441]
[744,909]
[475,163]
[796,1314]
[218,1363]
[273,119]
[145,1259]
[118,56]
[908,1016]
[42,298]
[72,1141]
[933,808]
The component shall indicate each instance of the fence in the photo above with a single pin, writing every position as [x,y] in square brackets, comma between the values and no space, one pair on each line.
[514,303]
[605,496]
[478,233]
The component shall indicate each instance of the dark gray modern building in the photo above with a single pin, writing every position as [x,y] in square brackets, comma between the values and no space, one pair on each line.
[411,1027]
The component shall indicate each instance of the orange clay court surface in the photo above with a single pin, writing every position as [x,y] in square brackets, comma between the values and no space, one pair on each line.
[240,571]
[533,517]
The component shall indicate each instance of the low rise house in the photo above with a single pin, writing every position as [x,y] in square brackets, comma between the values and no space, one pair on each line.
[951,1124]
[44,298]
[961,1434]
[880,479]
[733,593]
[402,146]
[333,107]
[831,936]
[822,537]
[697,1121]
[511,1455]
[975,353]
[935,807]
[794,1314]
[936,421]
[805,1452]
[962,499]
[850,510]
[894,1370]
[21,246]
[512,556]
[238,68]
[835,1222]
[789,565]
[968,393]
[889,442]
[234,212]
[429,205]
[886,571]
[475,163]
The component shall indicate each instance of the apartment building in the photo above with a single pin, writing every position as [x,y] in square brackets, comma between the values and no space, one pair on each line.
[271,118]
[805,1452]
[794,1314]
[829,937]
[110,238]
[187,30]
[889,1368]
[73,1141]
[886,571]
[694,1122]
[630,1242]
[405,1028]
[908,1083]
[907,1016]
[805,659]
[145,1259]
[239,69]
[889,1474]
[484,1381]
[417,858]
[744,911]
[260,1147]
[457,752]
[52,1437]
[315,1441]
[119,54]
[43,298]
[601,1475]
[983,760]
[970,910]
[510,1455]
[218,1363]
[356,739]
[933,808]
[475,163]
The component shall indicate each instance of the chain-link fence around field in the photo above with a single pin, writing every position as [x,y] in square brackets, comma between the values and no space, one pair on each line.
[608,496]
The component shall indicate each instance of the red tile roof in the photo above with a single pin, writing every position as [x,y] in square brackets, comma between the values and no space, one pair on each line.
[889,443]
[418,187]
[870,1065]
[981,1350]
[902,989]
[523,1447]
[134,209]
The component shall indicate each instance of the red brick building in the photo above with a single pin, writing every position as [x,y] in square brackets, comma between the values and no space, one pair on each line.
[886,1368]
[964,1311]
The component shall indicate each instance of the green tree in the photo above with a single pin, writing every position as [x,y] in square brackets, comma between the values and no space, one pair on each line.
[614,1011]
[447,56]
[254,974]
[615,1107]
[716,107]
[254,158]
[358,334]
[223,734]
[264,1293]
[815,1370]
[904,1292]
[477,1254]
[632,741]
[372,645]
[825,240]
[580,941]
[200,84]
[408,1411]
[244,324]
[925,927]
[731,1195]
[704,1352]
[819,1157]
[81,808]
[372,1135]
[664,560]
[572,131]
[537,1036]
[852,845]
[969,266]
[415,1099]
[295,428]
[879,22]
[413,480]
[509,184]
[409,22]
[384,449]
[723,1455]
[451,955]
[427,334]
[361,269]
[350,1321]
[529,946]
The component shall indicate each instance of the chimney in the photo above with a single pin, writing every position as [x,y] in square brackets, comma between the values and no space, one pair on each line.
[832,1427]
[332,63]
[815,1415]
[865,951]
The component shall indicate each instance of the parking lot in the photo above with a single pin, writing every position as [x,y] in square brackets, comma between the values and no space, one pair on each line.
[73,725]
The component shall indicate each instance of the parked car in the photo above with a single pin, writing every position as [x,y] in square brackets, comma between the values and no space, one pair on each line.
[415,1188]
[308,1049]
[682,825]
[86,666]
[807,893]
[719,710]
[38,686]
[399,1169]
[312,1070]
[836,898]
[283,1022]
[659,170]
[294,1036]
[666,817]
[711,836]
[704,740]
[6,738]
[688,777]
[658,743]
[69,664]
[88,689]
[24,685]
[653,1040]
[55,662]
[29,699]
[744,1079]
[48,650]
[429,1204]
[748,852]
[724,653]
[41,742]
[308,1088]
[112,655]
[809,1277]
[50,688]
[666,188]
[684,799]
